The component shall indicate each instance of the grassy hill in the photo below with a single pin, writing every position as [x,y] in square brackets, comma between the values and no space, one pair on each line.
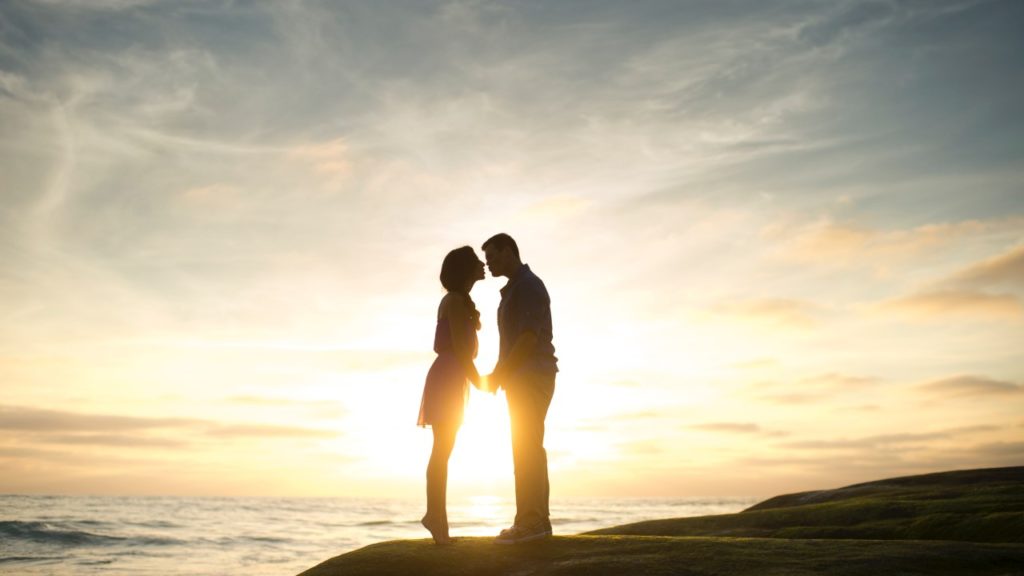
[964,522]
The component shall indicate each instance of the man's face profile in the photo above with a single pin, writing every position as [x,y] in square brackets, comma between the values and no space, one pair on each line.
[496,260]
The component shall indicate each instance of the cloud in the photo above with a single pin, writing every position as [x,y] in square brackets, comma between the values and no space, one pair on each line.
[102,429]
[811,389]
[213,196]
[112,5]
[267,431]
[872,442]
[115,440]
[1014,450]
[737,427]
[813,470]
[645,415]
[43,420]
[1005,270]
[773,312]
[886,441]
[971,386]
[940,305]
[847,244]
[965,294]
[332,410]
[793,398]
[847,18]
[644,448]
[35,457]
[840,381]
[331,158]
[326,356]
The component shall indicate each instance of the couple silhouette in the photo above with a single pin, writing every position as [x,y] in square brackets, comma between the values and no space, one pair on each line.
[525,370]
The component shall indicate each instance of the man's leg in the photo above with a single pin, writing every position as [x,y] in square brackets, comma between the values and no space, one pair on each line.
[528,402]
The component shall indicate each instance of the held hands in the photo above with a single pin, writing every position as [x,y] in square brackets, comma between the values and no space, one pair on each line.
[483,383]
[494,381]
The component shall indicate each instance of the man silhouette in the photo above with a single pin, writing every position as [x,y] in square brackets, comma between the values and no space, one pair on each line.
[526,370]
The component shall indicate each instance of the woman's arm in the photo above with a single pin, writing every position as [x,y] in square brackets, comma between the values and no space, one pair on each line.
[463,341]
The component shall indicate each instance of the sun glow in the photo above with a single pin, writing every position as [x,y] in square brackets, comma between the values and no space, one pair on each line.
[482,460]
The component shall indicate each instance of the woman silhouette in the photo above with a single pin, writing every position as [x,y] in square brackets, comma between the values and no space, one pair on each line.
[445,391]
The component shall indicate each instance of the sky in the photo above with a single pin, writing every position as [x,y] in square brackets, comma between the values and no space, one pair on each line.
[784,240]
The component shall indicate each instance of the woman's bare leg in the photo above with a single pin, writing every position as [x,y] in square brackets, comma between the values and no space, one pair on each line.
[436,519]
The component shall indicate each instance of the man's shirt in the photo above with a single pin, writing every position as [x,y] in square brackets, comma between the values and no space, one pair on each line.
[526,307]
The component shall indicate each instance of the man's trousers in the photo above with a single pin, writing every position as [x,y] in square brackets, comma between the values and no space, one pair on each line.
[529,396]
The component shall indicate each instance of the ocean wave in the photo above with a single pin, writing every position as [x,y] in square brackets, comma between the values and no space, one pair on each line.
[241,540]
[155,524]
[53,533]
[560,521]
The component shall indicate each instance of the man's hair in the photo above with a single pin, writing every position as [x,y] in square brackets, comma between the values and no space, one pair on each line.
[457,268]
[502,241]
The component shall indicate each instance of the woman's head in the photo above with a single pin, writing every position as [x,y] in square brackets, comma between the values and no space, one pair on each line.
[460,269]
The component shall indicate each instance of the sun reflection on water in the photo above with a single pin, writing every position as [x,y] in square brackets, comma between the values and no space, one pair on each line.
[481,515]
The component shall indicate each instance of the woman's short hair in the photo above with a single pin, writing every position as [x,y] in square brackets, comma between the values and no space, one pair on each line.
[501,241]
[458,267]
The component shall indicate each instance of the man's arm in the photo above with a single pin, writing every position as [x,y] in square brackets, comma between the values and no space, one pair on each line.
[533,318]
[520,351]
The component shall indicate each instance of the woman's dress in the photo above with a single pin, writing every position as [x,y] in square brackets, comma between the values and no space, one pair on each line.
[447,386]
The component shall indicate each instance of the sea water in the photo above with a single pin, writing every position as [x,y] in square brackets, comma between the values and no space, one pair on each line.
[88,535]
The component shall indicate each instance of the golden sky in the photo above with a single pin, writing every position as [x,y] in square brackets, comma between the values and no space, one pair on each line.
[784,241]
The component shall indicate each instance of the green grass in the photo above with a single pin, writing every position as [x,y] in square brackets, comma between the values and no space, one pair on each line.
[967,522]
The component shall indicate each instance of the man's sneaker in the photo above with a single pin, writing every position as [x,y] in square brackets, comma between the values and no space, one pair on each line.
[520,534]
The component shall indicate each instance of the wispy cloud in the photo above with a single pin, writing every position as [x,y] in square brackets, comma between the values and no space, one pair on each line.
[267,431]
[812,389]
[737,427]
[936,306]
[330,409]
[740,428]
[848,244]
[972,386]
[885,441]
[1002,271]
[772,312]
[792,398]
[110,440]
[42,420]
[837,380]
[1009,450]
[63,427]
[845,19]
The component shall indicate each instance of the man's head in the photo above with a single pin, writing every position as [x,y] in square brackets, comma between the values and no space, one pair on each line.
[502,255]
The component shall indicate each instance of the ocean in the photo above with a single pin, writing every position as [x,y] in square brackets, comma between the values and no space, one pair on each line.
[166,536]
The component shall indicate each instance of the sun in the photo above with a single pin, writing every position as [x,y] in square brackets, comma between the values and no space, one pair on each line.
[482,458]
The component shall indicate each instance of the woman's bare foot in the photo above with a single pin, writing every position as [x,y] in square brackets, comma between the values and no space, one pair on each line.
[439,530]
